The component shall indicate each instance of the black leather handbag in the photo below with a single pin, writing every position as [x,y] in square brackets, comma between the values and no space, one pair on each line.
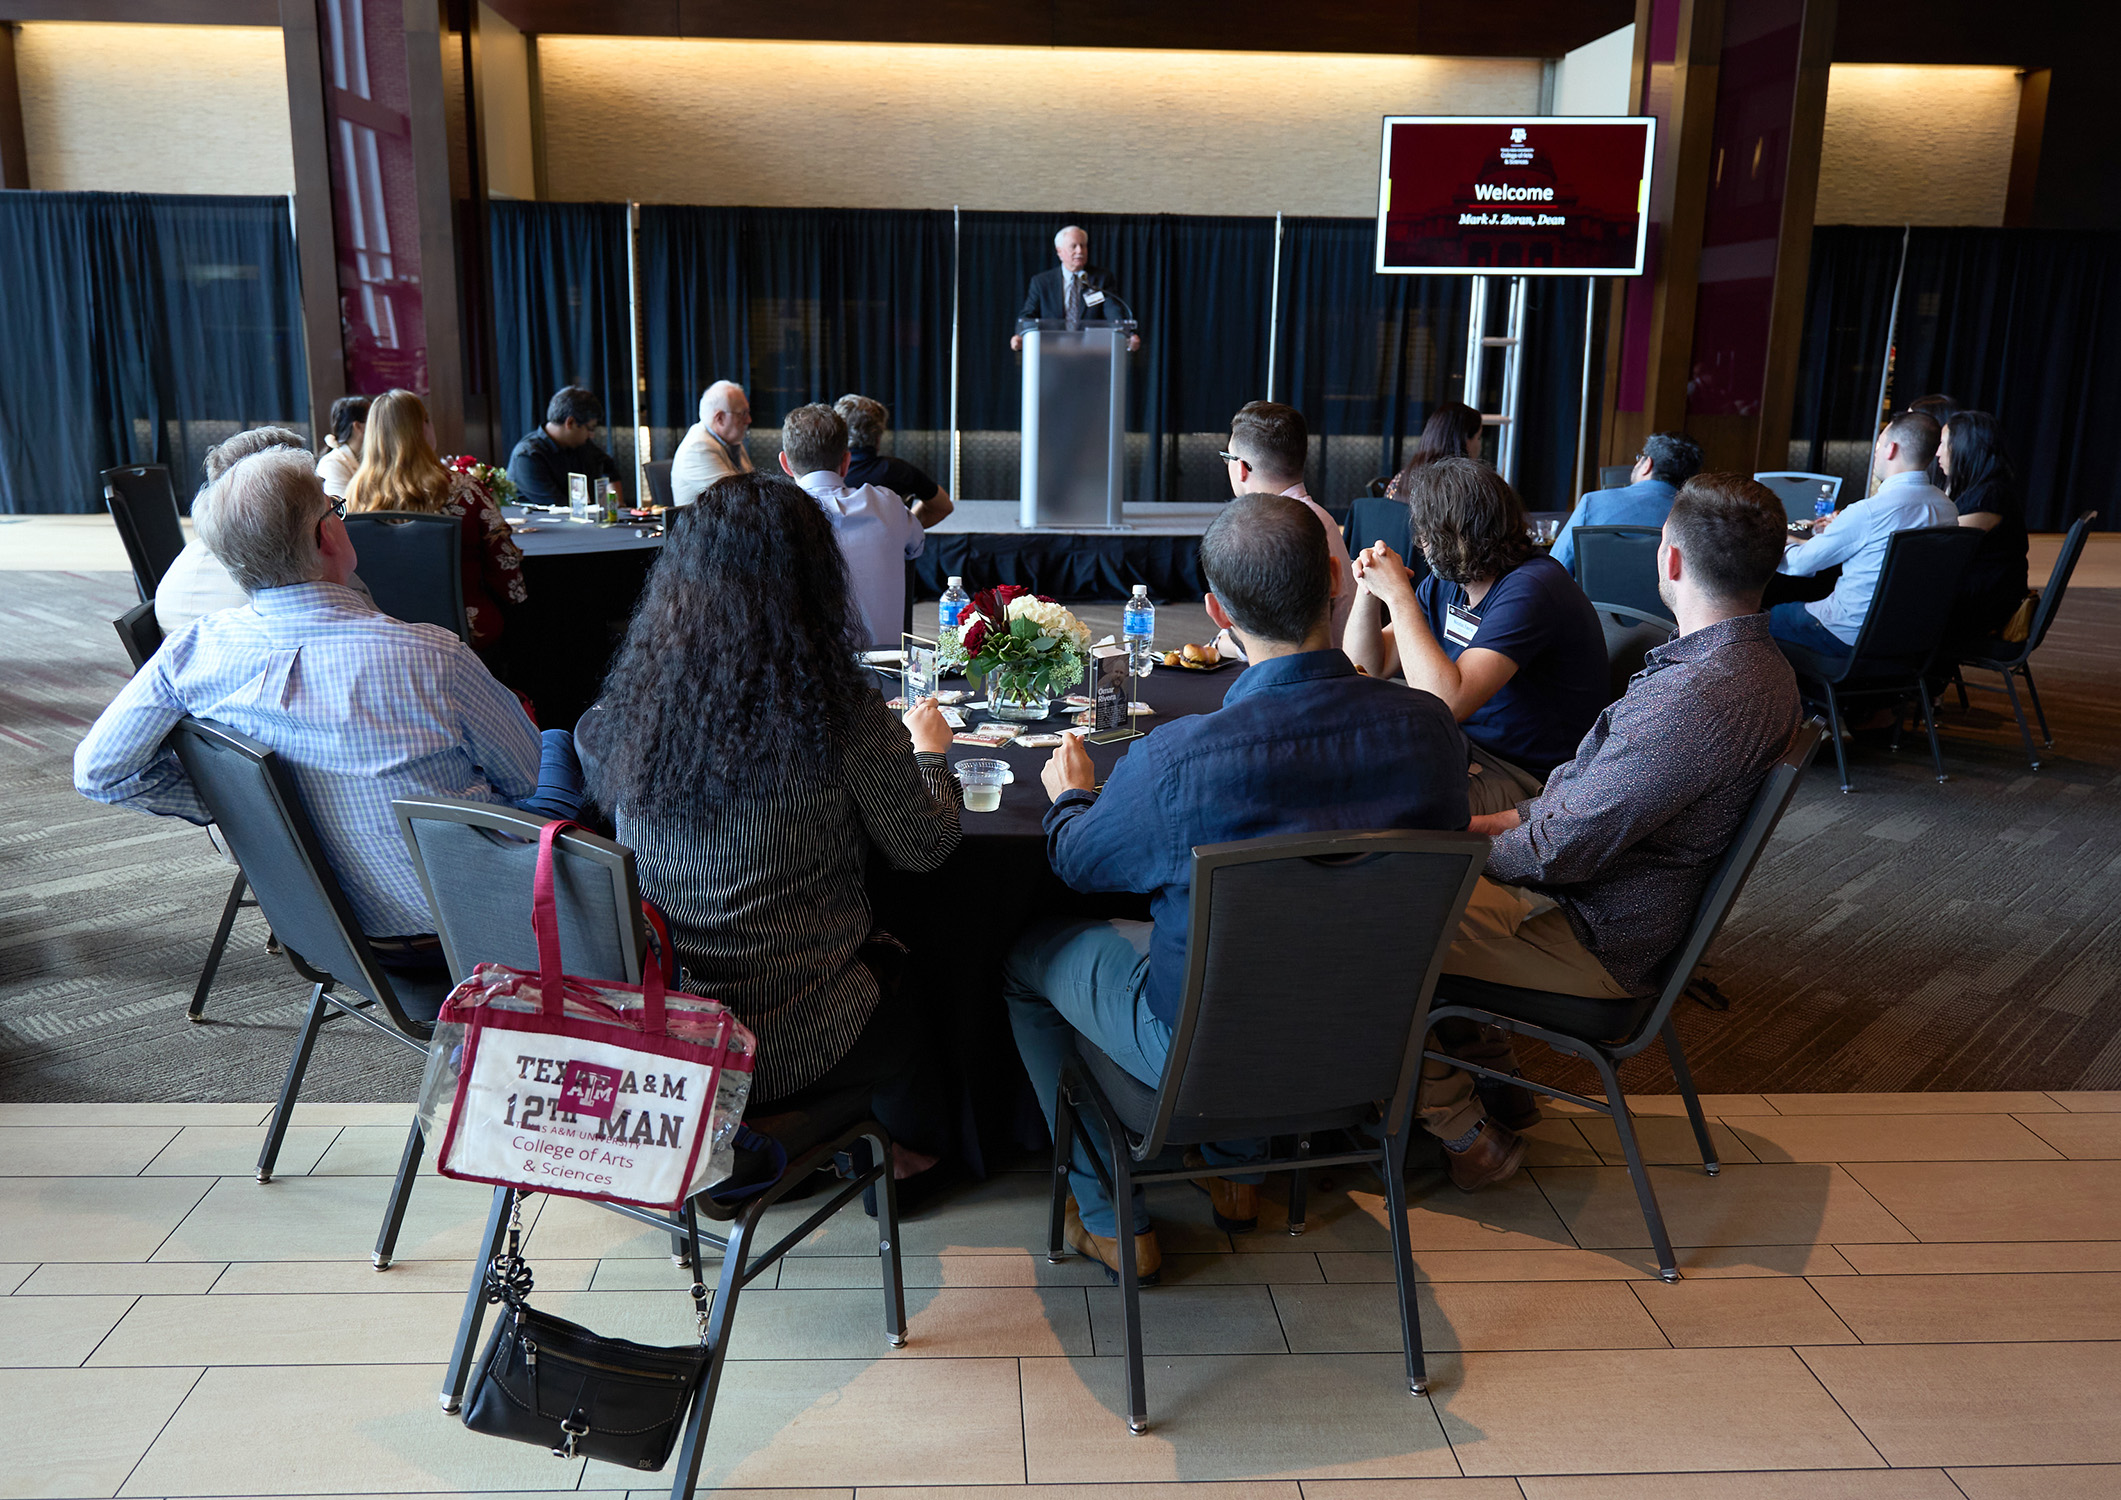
[556,1384]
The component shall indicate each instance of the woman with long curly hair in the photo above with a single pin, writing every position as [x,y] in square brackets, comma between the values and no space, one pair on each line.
[748,759]
[1452,431]
[400,471]
[1500,633]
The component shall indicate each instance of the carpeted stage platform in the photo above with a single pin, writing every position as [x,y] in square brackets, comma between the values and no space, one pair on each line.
[1908,937]
[986,539]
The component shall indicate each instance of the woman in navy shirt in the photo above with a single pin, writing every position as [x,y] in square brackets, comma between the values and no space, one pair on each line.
[1500,633]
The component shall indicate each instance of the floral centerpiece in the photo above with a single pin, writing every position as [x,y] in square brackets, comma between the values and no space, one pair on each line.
[1027,648]
[492,476]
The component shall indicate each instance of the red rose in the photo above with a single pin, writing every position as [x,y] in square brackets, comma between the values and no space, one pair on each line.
[975,634]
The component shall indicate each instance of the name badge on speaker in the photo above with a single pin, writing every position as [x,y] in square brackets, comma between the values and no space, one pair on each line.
[1460,625]
[1093,298]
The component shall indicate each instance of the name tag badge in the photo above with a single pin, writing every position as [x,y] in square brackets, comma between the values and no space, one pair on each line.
[1460,625]
[1093,298]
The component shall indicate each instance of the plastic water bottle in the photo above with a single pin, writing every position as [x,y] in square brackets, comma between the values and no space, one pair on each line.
[949,634]
[1137,629]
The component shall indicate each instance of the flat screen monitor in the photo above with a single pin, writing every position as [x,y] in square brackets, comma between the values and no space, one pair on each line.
[1493,195]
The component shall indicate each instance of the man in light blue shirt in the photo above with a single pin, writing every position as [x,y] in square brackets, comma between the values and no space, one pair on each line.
[361,707]
[1667,460]
[1855,539]
[877,534]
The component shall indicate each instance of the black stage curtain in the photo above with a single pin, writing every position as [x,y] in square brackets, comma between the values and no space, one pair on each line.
[559,292]
[2023,323]
[801,305]
[140,328]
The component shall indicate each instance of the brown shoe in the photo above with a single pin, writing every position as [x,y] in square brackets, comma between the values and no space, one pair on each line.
[1494,1156]
[1148,1255]
[1236,1204]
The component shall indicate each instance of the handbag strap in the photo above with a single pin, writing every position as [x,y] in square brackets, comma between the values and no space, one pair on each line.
[508,1277]
[545,921]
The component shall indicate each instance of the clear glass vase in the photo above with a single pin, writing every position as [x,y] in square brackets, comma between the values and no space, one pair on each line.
[1018,694]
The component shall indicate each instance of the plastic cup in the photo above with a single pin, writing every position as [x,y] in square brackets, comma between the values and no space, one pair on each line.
[983,781]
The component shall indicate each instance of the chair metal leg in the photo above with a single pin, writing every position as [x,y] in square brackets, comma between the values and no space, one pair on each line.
[887,1247]
[2025,733]
[1959,682]
[1403,1261]
[196,1012]
[1063,1140]
[686,1479]
[1130,1292]
[2047,739]
[1929,722]
[1833,729]
[1685,1078]
[1624,1126]
[464,1351]
[1298,1202]
[276,1129]
[400,1196]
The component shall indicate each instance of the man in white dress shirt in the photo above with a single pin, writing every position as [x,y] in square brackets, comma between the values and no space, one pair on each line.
[1855,539]
[714,446]
[876,532]
[1269,443]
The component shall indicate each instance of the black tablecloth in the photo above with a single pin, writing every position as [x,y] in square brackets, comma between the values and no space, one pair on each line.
[582,582]
[960,920]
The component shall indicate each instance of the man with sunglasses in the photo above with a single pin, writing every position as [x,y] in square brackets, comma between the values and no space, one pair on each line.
[1269,445]
[362,708]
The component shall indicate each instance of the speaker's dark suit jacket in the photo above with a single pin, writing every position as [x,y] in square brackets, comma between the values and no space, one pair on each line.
[1046,299]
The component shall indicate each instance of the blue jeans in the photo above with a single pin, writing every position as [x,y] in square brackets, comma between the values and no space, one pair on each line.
[1794,623]
[1069,977]
[559,792]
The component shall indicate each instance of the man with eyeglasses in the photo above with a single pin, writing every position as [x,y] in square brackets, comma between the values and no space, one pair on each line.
[566,444]
[1269,445]
[362,707]
[1667,460]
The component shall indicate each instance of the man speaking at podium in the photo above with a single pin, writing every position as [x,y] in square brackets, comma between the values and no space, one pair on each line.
[1074,292]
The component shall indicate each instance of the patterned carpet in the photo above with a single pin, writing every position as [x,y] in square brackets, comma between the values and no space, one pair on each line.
[1908,937]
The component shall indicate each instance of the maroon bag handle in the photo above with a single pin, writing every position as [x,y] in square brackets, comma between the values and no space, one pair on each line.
[545,920]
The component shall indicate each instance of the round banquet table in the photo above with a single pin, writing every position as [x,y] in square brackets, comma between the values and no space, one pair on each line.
[582,581]
[960,920]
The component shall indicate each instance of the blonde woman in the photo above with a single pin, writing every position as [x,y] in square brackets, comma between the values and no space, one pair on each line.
[400,471]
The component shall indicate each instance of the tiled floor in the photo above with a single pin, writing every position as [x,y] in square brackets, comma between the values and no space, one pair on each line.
[1888,1297]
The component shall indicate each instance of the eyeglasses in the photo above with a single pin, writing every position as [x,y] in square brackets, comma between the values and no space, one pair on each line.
[338,508]
[1232,458]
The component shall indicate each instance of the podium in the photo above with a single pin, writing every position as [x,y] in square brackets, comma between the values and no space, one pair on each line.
[1075,423]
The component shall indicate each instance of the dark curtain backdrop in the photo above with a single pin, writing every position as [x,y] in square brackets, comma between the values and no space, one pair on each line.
[559,292]
[800,305]
[139,328]
[2023,323]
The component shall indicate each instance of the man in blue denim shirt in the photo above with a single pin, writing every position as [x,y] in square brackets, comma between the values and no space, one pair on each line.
[1302,743]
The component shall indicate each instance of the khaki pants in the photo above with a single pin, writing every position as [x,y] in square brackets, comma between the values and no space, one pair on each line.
[1493,784]
[1508,936]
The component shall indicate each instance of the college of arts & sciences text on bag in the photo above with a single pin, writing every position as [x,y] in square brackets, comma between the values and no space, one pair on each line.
[586,1088]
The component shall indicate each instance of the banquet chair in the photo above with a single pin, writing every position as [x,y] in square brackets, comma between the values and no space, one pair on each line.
[1630,636]
[142,637]
[2014,658]
[1617,565]
[1268,916]
[143,505]
[254,801]
[476,862]
[1798,491]
[1605,1033]
[657,473]
[413,563]
[1910,609]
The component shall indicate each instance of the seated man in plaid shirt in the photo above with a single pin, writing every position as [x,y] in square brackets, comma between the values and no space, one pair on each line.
[361,707]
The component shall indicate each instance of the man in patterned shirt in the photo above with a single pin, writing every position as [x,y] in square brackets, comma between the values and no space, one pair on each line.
[1592,884]
[361,707]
